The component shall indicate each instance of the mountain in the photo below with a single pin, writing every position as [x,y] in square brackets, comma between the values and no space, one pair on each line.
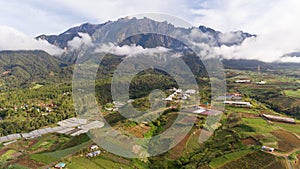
[136,31]
[229,38]
[20,67]
[62,39]
[39,64]
[128,31]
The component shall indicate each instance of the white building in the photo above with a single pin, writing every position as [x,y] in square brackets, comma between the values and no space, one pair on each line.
[261,83]
[242,81]
[237,103]
[190,91]
[94,147]
[268,149]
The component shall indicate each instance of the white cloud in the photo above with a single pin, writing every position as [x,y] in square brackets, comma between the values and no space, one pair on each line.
[276,22]
[12,39]
[231,15]
[290,59]
[132,50]
[231,37]
[76,42]
[35,17]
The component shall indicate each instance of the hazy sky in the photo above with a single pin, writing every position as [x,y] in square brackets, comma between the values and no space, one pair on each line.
[34,17]
[275,21]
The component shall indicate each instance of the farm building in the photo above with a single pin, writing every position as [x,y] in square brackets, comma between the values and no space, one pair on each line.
[242,81]
[60,165]
[229,97]
[279,118]
[180,94]
[199,111]
[202,111]
[10,138]
[77,133]
[267,149]
[179,91]
[184,96]
[72,122]
[168,98]
[118,104]
[190,91]
[261,83]
[94,147]
[67,126]
[236,94]
[92,125]
[238,103]
[94,154]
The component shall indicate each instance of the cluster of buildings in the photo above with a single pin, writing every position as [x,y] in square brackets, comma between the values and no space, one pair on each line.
[234,99]
[94,151]
[72,126]
[180,94]
[94,154]
[39,108]
[249,81]
[116,105]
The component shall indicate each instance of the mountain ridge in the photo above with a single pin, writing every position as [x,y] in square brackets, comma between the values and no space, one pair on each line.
[135,24]
[19,67]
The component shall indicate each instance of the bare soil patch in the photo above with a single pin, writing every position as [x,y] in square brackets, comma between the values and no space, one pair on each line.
[248,115]
[176,152]
[138,130]
[287,141]
[249,141]
[298,162]
[2,151]
[27,162]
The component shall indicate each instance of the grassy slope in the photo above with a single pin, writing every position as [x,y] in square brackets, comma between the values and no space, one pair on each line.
[220,161]
[57,155]
[293,93]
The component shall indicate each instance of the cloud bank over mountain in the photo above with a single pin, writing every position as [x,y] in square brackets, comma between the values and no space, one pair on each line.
[76,42]
[12,39]
[274,21]
[130,50]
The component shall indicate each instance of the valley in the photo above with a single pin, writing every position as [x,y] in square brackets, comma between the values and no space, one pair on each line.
[258,127]
[238,140]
